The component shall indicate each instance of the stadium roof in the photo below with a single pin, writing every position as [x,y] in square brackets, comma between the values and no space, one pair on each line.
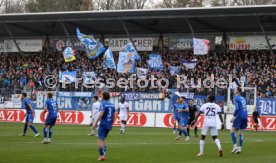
[157,21]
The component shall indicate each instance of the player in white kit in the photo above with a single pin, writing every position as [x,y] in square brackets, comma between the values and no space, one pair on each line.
[123,110]
[94,113]
[210,110]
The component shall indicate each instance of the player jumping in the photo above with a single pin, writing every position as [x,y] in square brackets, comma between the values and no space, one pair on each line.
[239,120]
[192,114]
[52,107]
[106,117]
[95,112]
[123,111]
[210,111]
[30,115]
[183,115]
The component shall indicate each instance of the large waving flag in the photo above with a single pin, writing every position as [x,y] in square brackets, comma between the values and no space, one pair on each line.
[130,48]
[155,62]
[69,54]
[201,46]
[93,48]
[126,62]
[108,60]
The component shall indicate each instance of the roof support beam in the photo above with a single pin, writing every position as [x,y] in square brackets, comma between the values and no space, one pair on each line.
[190,27]
[264,33]
[67,34]
[144,26]
[11,36]
[28,29]
[127,32]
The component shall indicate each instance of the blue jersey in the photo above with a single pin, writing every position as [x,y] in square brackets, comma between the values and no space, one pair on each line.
[182,114]
[175,109]
[25,105]
[240,107]
[109,111]
[51,106]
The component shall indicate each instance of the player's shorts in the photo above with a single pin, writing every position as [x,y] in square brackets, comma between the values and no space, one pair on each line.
[240,123]
[205,130]
[191,121]
[51,120]
[184,122]
[123,117]
[256,120]
[29,118]
[102,133]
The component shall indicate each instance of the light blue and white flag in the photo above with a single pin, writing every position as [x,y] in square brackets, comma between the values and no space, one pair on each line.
[155,62]
[108,60]
[174,70]
[93,48]
[88,77]
[189,64]
[142,73]
[68,76]
[201,46]
[126,62]
[130,48]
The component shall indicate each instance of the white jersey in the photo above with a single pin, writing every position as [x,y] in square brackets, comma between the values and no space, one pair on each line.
[123,111]
[210,111]
[96,109]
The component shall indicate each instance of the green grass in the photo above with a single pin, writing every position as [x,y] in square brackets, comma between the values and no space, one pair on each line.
[139,145]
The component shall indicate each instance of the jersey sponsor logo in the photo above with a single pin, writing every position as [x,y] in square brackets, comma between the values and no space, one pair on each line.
[67,117]
[12,115]
[134,119]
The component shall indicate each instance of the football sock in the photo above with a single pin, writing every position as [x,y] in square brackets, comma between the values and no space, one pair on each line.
[179,132]
[45,132]
[104,148]
[33,128]
[101,151]
[201,146]
[218,144]
[195,130]
[25,129]
[188,131]
[185,132]
[241,139]
[50,132]
[234,138]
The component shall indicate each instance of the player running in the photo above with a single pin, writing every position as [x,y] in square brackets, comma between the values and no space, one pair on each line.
[192,114]
[183,115]
[30,115]
[51,107]
[239,120]
[106,117]
[123,111]
[210,111]
[95,112]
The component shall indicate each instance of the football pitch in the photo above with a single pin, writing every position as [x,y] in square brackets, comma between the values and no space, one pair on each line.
[70,143]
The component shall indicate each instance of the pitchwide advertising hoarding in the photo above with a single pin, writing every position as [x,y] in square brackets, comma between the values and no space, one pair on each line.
[251,42]
[142,44]
[32,45]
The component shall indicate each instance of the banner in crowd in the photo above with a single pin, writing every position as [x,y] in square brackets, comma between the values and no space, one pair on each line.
[109,60]
[59,44]
[32,45]
[126,62]
[69,54]
[93,48]
[141,73]
[142,44]
[88,77]
[186,43]
[74,94]
[266,106]
[67,76]
[251,42]
[174,70]
[131,96]
[155,62]
[189,64]
[201,46]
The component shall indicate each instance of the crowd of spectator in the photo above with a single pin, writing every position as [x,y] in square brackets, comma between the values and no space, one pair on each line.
[256,68]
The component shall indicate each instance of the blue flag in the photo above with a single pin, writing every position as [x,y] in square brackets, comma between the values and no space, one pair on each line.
[108,60]
[126,62]
[174,70]
[155,62]
[130,48]
[68,76]
[93,48]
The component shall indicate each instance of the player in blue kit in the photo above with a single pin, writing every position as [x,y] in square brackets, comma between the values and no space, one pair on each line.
[30,115]
[106,118]
[175,117]
[239,120]
[183,115]
[51,107]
